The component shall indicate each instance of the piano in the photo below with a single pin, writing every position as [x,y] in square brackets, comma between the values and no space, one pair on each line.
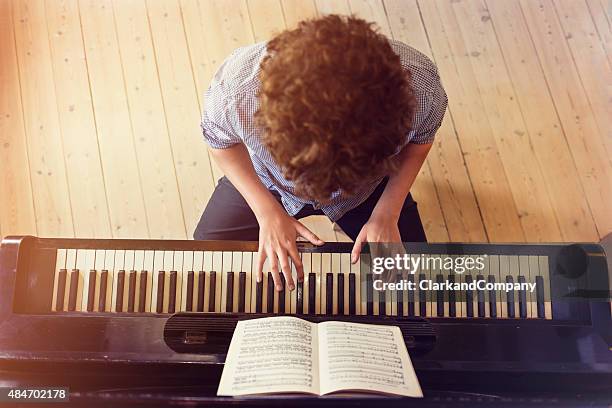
[148,322]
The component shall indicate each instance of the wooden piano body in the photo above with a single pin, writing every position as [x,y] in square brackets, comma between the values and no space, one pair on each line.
[557,352]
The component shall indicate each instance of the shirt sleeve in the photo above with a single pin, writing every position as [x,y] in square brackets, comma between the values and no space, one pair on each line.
[216,124]
[427,131]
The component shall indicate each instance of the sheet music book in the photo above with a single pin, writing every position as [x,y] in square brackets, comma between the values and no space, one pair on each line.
[285,354]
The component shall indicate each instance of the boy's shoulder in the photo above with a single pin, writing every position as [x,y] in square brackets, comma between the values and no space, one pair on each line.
[423,70]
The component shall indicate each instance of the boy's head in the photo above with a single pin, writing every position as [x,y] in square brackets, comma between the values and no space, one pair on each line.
[335,104]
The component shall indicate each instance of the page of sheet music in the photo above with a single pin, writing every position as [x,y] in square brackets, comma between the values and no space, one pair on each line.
[365,357]
[275,354]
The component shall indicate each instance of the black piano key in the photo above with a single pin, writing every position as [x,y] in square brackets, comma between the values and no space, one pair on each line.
[201,291]
[369,295]
[329,293]
[281,295]
[340,293]
[189,300]
[480,297]
[352,295]
[74,287]
[299,307]
[382,303]
[120,289]
[259,297]
[510,298]
[540,296]
[492,299]
[61,290]
[102,299]
[410,297]
[229,292]
[212,287]
[143,292]
[422,297]
[241,291]
[161,280]
[312,293]
[522,299]
[270,300]
[172,293]
[131,291]
[439,297]
[91,290]
[469,298]
[452,306]
[400,298]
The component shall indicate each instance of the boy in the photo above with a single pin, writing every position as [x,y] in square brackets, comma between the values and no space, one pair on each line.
[330,118]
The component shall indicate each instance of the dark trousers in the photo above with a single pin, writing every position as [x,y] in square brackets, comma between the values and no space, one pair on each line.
[228,216]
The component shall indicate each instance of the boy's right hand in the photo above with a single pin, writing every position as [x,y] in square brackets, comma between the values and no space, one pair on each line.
[278,233]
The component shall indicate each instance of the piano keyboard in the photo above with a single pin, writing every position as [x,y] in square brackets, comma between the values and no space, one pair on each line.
[152,281]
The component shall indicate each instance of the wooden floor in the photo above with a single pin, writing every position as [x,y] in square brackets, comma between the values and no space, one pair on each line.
[100,103]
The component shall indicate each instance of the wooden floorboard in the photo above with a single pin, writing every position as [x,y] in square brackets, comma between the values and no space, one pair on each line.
[16,201]
[100,106]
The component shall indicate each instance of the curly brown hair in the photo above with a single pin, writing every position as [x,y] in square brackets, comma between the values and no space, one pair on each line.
[335,104]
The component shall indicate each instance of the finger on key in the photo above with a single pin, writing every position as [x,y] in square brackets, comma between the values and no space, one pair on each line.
[287,271]
[261,259]
[299,268]
[275,272]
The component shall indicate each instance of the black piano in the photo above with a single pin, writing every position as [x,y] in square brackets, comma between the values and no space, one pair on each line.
[148,322]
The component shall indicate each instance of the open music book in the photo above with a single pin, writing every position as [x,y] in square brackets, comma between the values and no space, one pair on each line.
[285,354]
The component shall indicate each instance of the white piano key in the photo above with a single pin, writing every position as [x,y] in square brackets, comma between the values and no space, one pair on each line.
[363,267]
[335,268]
[198,261]
[307,264]
[252,308]
[82,258]
[219,260]
[523,261]
[247,267]
[460,294]
[168,267]
[177,266]
[345,268]
[533,271]
[355,268]
[506,266]
[100,257]
[188,258]
[60,263]
[208,266]
[118,265]
[485,273]
[417,273]
[544,271]
[88,265]
[236,267]
[128,266]
[109,267]
[317,267]
[514,269]
[149,267]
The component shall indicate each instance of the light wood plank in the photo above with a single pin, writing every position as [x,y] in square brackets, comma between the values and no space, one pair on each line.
[591,61]
[534,203]
[44,141]
[572,104]
[115,134]
[266,18]
[76,118]
[372,11]
[332,7]
[298,10]
[16,201]
[599,12]
[459,212]
[486,170]
[193,168]
[546,137]
[153,148]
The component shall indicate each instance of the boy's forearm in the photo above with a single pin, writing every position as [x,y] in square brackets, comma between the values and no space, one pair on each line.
[411,159]
[237,167]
